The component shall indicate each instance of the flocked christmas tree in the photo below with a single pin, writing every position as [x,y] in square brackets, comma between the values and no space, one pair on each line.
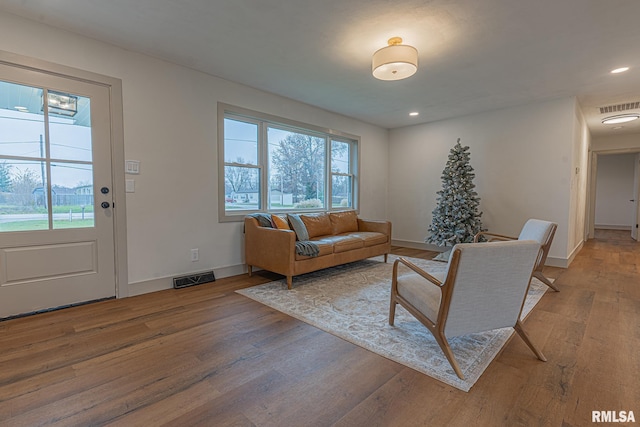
[456,218]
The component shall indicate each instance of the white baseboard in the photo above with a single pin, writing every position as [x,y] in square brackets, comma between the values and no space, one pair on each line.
[163,283]
[612,227]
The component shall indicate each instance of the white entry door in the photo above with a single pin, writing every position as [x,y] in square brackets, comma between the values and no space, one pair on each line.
[56,205]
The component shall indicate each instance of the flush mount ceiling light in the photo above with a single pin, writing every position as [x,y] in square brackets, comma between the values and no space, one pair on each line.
[395,62]
[620,70]
[622,118]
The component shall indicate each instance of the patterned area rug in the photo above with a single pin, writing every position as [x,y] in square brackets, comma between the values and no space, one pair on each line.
[352,302]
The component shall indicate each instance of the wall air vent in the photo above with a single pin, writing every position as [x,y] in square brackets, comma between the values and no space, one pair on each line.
[620,107]
[194,279]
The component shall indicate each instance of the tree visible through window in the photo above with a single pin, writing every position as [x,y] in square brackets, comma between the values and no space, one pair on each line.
[271,166]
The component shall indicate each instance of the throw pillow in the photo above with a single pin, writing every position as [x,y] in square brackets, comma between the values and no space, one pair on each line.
[317,224]
[280,223]
[298,226]
[344,222]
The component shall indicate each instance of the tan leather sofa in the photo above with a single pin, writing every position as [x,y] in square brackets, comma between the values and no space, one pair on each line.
[341,237]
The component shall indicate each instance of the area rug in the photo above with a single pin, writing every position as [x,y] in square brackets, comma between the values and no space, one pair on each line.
[351,301]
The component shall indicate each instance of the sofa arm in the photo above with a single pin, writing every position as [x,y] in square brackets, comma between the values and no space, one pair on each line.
[269,248]
[383,227]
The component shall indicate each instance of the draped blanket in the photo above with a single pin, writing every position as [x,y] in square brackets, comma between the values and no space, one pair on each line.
[307,248]
[303,247]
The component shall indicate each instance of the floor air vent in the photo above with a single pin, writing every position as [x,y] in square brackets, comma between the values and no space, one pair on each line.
[194,279]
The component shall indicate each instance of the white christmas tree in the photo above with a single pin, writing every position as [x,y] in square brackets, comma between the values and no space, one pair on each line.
[456,218]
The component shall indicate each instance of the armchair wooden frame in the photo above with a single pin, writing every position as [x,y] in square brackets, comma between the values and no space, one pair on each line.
[542,256]
[437,326]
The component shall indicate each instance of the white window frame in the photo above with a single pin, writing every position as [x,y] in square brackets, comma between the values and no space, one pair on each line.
[226,111]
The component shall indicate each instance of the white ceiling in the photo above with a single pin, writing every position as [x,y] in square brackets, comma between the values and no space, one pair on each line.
[474,55]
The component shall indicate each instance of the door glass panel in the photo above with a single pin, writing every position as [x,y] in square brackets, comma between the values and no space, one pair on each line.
[72,195]
[29,139]
[70,130]
[21,121]
[23,196]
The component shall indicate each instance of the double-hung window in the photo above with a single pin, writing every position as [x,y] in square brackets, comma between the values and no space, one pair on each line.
[269,164]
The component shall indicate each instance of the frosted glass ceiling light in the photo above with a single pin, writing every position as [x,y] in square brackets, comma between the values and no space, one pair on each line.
[622,118]
[395,62]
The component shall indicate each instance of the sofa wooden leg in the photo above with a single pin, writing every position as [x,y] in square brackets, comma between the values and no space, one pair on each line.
[289,281]
[249,270]
[385,257]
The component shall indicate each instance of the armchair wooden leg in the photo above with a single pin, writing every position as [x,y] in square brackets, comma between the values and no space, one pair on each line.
[249,269]
[392,311]
[538,275]
[527,341]
[446,349]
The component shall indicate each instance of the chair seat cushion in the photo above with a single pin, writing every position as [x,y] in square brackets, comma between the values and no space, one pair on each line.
[420,293]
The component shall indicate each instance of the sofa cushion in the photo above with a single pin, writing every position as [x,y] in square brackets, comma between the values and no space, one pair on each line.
[343,222]
[317,224]
[370,238]
[298,226]
[342,243]
[279,222]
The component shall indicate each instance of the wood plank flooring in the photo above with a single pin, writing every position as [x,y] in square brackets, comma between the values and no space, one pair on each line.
[208,356]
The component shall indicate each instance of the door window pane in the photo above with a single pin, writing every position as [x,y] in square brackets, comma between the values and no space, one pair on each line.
[23,195]
[72,195]
[21,121]
[70,131]
[29,139]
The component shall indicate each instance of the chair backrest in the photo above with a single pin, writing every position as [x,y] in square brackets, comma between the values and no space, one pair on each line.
[490,284]
[542,232]
[538,230]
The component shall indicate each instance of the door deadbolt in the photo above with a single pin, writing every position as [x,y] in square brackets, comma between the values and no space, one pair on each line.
[105,205]
[104,190]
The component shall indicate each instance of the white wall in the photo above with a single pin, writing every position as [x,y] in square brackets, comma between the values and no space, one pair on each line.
[170,127]
[614,189]
[523,158]
[624,142]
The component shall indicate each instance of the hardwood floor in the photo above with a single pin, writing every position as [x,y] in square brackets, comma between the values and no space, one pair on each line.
[208,356]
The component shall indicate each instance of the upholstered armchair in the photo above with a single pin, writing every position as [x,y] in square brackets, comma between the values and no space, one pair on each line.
[534,229]
[484,288]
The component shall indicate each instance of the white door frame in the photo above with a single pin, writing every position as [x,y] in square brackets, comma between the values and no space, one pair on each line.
[593,173]
[117,150]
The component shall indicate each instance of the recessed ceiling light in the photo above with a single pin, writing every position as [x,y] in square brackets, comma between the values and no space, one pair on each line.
[619,70]
[413,113]
[622,118]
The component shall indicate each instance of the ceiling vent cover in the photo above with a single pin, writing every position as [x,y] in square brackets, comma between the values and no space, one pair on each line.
[620,107]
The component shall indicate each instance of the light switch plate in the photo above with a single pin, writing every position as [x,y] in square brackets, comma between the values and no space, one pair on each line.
[132,167]
[129,185]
